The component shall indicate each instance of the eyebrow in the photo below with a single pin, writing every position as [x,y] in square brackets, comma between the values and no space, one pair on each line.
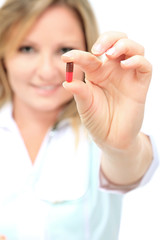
[26,41]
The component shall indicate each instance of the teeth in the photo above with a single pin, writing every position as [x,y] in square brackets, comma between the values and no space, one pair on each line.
[47,87]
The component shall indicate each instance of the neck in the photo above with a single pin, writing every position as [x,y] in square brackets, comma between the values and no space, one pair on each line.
[26,116]
[33,126]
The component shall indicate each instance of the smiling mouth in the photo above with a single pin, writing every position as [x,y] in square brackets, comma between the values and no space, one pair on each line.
[47,89]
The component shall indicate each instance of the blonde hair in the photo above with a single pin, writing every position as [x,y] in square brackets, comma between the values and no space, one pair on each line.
[19,15]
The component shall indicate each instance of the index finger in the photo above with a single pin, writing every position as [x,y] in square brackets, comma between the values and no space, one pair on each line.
[85,60]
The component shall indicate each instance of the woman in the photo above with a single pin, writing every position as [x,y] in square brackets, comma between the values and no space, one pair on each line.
[49,164]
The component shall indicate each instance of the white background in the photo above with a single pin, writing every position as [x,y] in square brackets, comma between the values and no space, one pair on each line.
[140,19]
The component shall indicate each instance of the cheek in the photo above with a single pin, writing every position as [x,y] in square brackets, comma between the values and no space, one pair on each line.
[17,72]
[18,80]
[15,76]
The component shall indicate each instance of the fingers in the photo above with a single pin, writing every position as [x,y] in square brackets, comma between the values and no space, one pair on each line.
[106,41]
[141,65]
[116,44]
[82,93]
[85,60]
[112,44]
[125,47]
[137,62]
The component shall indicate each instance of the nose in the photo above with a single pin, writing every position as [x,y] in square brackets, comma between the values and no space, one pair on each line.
[47,68]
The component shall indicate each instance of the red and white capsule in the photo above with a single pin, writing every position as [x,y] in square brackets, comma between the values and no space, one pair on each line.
[69,71]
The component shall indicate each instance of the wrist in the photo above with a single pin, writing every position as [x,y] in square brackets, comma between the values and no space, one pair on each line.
[126,166]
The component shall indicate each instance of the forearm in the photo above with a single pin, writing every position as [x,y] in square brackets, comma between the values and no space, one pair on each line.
[127,166]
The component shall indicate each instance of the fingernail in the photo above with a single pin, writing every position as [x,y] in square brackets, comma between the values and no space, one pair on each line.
[68,54]
[97,48]
[127,61]
[111,51]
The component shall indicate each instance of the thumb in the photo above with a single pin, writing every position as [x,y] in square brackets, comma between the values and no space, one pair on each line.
[82,93]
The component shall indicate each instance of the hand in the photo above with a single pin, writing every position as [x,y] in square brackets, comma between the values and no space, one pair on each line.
[111,101]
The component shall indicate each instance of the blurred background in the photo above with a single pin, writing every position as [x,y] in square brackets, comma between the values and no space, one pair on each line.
[140,19]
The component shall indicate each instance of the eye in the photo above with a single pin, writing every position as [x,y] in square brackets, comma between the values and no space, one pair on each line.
[26,49]
[65,49]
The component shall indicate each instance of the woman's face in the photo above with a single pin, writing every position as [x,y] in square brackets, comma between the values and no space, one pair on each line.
[35,70]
